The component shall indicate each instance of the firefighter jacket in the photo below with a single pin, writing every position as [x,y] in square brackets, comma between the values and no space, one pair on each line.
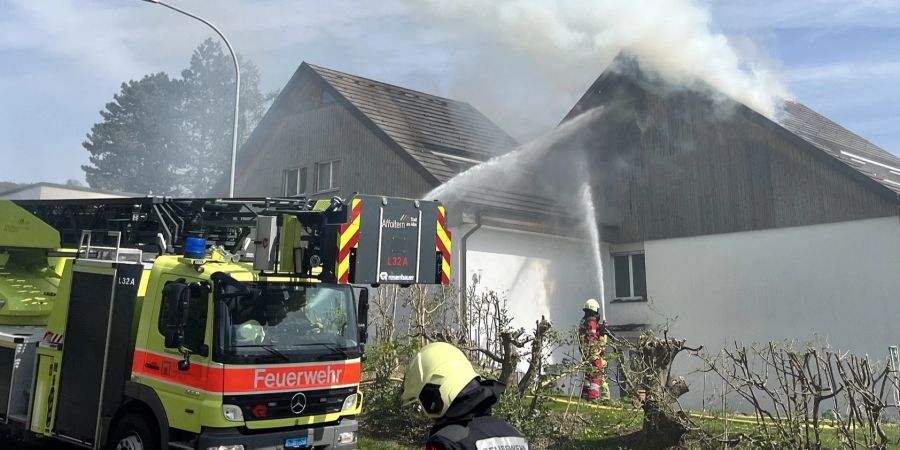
[468,424]
[593,337]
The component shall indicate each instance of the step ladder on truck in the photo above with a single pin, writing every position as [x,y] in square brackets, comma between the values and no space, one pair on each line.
[152,323]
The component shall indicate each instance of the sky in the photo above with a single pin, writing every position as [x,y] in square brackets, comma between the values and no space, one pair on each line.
[62,61]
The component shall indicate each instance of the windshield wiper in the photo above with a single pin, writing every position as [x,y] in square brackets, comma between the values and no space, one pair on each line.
[343,352]
[269,348]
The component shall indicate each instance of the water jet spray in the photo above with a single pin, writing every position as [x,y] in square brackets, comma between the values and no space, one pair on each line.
[594,235]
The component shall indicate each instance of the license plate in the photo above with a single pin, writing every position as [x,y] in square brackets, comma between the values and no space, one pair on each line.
[296,442]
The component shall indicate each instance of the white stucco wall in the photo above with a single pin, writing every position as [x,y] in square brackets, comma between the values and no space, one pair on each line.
[836,283]
[540,274]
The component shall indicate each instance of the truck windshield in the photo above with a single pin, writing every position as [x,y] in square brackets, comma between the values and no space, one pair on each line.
[285,322]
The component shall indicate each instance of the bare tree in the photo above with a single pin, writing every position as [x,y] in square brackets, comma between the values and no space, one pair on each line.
[646,366]
[790,389]
[866,387]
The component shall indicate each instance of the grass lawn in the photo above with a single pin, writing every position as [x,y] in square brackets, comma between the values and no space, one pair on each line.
[371,444]
[607,427]
[716,426]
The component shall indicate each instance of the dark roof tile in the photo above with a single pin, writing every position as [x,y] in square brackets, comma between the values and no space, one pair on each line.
[841,143]
[422,123]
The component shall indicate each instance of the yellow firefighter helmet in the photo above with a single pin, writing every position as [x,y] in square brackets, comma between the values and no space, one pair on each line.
[592,305]
[435,377]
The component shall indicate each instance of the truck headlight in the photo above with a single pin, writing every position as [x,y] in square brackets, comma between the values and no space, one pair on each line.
[345,437]
[226,447]
[232,413]
[349,402]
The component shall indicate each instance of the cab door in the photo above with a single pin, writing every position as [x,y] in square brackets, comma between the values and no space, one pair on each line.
[181,391]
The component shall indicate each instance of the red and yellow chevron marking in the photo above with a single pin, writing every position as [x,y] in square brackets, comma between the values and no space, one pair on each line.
[348,239]
[443,241]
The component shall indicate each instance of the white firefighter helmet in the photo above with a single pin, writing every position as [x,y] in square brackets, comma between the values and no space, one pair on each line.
[435,377]
[592,305]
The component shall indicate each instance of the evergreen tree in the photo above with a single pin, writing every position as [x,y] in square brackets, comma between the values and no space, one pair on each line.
[173,136]
[136,148]
[209,111]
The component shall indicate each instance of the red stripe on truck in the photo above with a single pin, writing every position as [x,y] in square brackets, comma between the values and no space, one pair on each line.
[247,379]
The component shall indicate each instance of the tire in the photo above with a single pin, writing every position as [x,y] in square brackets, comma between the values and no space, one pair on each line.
[133,432]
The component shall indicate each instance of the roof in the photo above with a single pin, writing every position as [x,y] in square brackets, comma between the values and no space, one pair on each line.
[444,136]
[69,187]
[822,133]
[841,143]
[437,136]
[513,206]
[674,161]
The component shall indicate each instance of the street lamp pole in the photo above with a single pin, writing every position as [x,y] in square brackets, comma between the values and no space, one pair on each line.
[237,88]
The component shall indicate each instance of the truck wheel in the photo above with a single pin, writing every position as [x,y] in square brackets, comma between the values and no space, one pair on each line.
[132,432]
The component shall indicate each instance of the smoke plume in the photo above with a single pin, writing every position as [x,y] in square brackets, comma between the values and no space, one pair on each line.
[567,40]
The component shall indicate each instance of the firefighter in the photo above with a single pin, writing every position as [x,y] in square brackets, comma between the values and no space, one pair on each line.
[594,335]
[442,381]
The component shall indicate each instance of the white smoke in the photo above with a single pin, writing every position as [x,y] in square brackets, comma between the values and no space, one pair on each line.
[674,38]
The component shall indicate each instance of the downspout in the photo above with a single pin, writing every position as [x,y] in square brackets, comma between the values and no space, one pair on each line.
[462,266]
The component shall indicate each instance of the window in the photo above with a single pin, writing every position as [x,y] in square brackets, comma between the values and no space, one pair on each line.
[195,329]
[631,276]
[327,175]
[294,181]
[302,322]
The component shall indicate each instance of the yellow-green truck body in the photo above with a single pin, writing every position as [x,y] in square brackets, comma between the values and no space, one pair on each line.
[201,353]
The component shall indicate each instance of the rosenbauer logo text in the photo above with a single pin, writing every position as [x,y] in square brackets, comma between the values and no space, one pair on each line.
[263,378]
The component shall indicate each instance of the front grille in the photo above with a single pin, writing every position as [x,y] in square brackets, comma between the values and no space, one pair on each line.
[278,406]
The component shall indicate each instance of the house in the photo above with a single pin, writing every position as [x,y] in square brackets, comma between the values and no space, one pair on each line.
[725,223]
[53,191]
[330,133]
[739,228]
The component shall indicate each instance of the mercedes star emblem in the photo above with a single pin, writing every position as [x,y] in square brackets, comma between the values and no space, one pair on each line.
[298,403]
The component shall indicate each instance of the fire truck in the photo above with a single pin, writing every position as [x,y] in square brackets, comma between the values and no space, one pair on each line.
[210,324]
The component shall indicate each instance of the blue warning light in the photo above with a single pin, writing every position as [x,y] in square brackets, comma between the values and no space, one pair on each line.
[195,248]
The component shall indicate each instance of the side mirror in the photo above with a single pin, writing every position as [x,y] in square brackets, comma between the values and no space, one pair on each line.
[362,318]
[176,300]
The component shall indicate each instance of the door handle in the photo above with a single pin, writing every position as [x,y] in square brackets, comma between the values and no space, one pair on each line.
[152,366]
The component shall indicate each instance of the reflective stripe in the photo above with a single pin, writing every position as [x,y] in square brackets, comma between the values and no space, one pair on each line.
[238,379]
[348,239]
[502,443]
[443,242]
